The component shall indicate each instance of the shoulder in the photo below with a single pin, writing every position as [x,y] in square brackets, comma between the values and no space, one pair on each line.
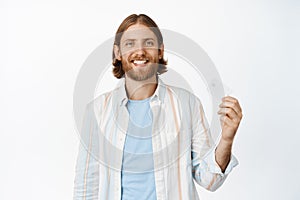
[100,102]
[100,99]
[183,95]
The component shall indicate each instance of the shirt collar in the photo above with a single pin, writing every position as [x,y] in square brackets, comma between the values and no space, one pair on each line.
[157,96]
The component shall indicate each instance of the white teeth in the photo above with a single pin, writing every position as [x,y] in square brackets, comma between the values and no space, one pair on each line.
[139,62]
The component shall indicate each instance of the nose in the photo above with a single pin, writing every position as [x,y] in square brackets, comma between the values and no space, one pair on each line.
[139,50]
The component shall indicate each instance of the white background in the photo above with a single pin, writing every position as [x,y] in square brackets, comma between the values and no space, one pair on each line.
[254,45]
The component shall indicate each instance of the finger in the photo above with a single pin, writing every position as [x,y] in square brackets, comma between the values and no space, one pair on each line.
[229,104]
[232,100]
[230,113]
[225,120]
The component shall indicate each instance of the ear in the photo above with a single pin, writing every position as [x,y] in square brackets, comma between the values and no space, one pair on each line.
[117,52]
[161,51]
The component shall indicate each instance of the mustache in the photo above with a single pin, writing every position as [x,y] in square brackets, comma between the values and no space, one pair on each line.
[146,58]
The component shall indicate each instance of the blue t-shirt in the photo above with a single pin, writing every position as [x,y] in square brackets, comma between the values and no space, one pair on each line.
[137,177]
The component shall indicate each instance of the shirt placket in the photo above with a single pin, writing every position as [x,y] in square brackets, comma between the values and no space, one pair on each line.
[122,120]
[156,145]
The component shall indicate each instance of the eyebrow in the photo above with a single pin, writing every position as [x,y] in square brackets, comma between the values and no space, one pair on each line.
[136,39]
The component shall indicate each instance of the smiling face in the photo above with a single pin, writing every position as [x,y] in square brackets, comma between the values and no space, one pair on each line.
[139,52]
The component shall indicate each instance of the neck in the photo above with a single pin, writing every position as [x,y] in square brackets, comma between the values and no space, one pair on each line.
[139,90]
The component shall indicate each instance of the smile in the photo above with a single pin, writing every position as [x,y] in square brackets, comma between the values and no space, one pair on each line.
[139,63]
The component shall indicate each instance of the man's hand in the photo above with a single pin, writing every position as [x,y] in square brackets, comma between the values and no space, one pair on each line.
[231,115]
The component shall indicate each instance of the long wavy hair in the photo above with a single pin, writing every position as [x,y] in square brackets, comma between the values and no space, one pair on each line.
[129,21]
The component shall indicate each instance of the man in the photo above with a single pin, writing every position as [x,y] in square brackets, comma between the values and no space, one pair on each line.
[146,139]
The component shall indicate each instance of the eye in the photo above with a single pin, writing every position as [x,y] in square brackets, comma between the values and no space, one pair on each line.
[129,44]
[149,43]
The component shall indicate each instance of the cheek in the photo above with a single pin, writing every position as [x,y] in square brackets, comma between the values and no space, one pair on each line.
[124,52]
[125,58]
[153,54]
[125,63]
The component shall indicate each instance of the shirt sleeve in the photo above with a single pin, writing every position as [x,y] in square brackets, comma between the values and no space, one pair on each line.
[213,166]
[205,170]
[86,183]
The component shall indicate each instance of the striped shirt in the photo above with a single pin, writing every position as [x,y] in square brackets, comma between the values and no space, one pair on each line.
[183,149]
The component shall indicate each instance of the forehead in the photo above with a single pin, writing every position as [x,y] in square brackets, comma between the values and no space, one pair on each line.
[138,31]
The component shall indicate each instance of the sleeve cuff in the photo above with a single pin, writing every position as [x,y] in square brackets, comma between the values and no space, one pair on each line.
[215,168]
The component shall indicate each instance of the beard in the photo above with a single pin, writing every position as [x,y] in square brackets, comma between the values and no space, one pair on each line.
[140,73]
